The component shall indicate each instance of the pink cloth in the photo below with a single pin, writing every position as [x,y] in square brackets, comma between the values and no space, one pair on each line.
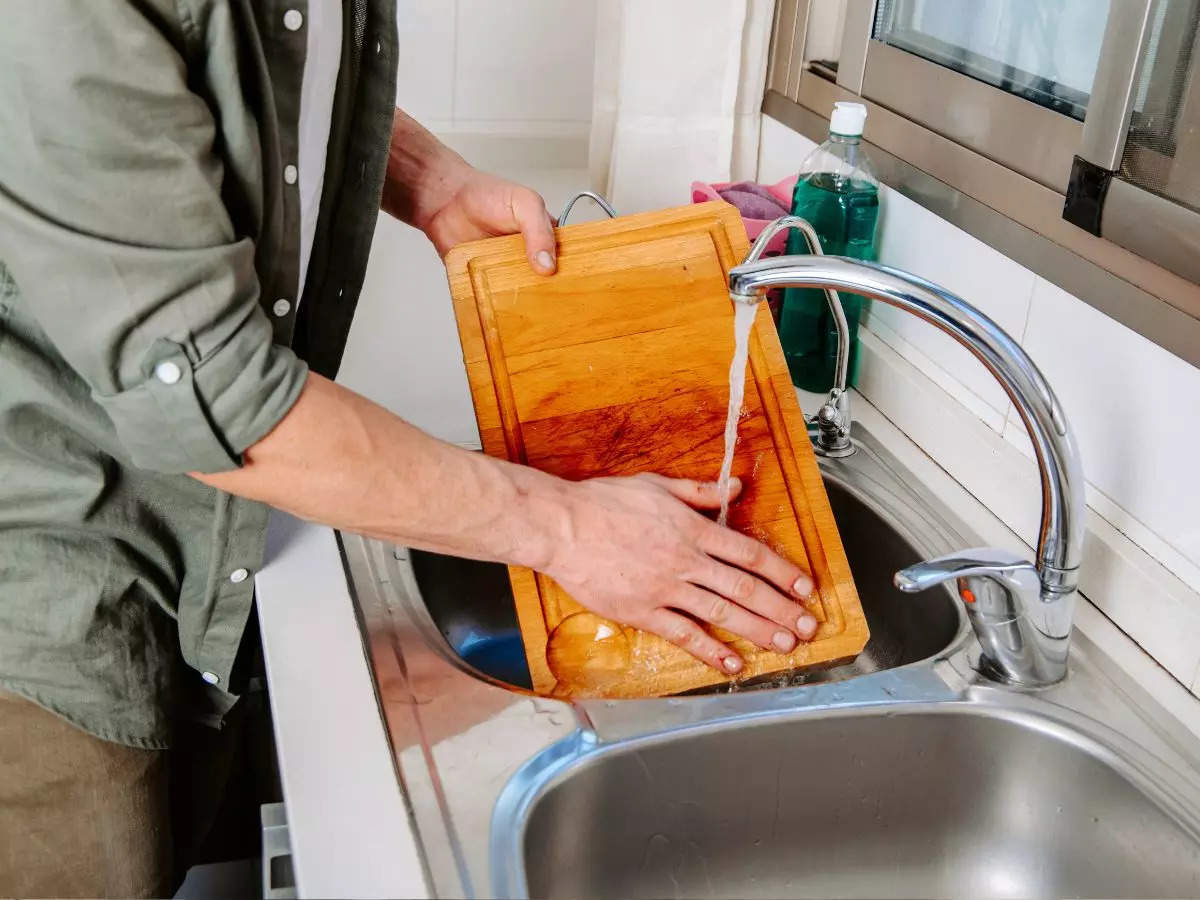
[753,194]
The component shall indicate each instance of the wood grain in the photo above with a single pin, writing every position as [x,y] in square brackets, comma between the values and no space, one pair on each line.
[619,364]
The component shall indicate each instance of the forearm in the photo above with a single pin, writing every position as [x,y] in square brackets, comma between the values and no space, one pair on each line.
[421,172]
[626,548]
[339,459]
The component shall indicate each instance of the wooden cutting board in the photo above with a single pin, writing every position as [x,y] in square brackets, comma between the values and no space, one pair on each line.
[619,364]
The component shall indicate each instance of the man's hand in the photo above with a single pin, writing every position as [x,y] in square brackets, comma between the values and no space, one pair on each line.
[635,553]
[431,187]
[485,206]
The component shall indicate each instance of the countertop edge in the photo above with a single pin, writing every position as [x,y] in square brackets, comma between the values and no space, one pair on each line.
[348,821]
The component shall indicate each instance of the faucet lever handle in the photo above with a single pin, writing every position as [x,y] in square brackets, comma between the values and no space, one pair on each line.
[993,562]
[991,581]
[1022,639]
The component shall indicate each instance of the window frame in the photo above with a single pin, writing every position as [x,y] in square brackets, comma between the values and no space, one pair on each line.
[1129,252]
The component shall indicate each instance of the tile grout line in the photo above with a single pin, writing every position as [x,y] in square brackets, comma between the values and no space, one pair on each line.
[1010,409]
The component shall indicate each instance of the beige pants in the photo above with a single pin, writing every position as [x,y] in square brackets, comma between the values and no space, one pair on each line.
[79,816]
[82,817]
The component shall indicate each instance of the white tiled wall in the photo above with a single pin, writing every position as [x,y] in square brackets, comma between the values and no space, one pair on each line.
[508,84]
[426,70]
[1134,408]
[403,350]
[497,66]
[964,265]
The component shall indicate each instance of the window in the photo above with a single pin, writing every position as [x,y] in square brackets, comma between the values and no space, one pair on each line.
[1090,108]
[1045,51]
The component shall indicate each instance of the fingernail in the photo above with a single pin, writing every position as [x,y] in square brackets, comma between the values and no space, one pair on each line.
[545,260]
[802,587]
[784,641]
[732,664]
[806,626]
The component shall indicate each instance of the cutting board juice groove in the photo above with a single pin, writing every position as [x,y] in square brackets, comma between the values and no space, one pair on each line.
[619,364]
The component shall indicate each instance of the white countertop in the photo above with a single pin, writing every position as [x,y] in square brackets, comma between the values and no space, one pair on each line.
[347,820]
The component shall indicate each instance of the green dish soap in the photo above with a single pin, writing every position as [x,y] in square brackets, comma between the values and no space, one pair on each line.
[838,193]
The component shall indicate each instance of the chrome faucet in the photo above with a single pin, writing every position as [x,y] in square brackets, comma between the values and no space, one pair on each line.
[832,420]
[1021,613]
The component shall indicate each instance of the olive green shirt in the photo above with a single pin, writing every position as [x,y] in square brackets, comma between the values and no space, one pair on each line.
[146,230]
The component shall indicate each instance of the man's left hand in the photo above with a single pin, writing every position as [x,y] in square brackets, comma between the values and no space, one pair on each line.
[483,205]
[431,187]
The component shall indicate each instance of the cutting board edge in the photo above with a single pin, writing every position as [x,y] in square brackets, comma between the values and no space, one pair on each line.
[459,257]
[683,682]
[854,632]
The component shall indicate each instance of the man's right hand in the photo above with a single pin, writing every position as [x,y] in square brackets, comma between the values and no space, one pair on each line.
[630,549]
[636,551]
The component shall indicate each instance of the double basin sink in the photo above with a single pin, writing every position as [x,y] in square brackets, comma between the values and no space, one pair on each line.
[903,774]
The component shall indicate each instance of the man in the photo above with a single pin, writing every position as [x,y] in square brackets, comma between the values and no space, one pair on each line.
[187,198]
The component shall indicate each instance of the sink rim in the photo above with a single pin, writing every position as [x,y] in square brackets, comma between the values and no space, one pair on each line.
[1172,791]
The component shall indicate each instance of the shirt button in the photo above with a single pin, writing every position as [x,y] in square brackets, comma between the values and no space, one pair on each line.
[290,174]
[281,308]
[237,576]
[167,372]
[293,19]
[210,677]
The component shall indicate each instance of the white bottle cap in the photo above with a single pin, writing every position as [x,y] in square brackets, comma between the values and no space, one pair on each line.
[847,119]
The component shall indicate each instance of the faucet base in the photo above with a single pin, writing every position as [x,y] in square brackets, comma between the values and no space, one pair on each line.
[833,453]
[832,422]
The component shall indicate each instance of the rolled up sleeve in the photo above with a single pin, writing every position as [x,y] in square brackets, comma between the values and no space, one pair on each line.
[116,232]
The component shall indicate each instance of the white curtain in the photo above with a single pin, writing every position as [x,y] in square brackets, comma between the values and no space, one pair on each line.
[678,86]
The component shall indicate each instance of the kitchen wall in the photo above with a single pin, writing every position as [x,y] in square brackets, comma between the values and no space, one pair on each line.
[509,86]
[1133,407]
[512,67]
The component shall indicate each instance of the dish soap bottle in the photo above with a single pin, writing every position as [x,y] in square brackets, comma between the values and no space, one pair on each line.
[838,193]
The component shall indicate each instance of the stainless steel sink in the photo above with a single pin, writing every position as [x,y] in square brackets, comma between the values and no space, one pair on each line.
[471,602]
[906,774]
[934,801]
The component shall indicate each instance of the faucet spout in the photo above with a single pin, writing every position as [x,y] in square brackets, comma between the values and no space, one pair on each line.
[1060,539]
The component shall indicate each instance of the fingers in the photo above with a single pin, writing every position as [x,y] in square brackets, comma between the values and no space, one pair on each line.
[755,595]
[697,494]
[735,617]
[755,557]
[529,214]
[749,555]
[686,634]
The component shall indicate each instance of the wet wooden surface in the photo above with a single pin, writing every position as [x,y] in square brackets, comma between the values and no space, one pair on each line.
[619,364]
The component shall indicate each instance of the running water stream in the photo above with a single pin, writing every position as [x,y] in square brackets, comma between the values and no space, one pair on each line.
[743,320]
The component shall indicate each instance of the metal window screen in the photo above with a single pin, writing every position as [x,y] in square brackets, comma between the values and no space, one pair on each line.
[1162,149]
